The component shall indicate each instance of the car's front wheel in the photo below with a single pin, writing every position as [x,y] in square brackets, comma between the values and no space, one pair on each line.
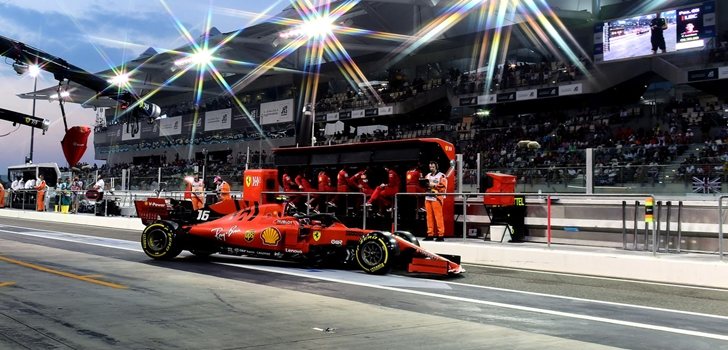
[160,241]
[376,252]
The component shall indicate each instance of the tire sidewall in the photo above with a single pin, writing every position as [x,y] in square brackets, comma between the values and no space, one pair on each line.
[170,249]
[385,243]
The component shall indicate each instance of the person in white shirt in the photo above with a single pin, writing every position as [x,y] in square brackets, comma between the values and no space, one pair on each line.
[437,183]
[99,187]
[17,184]
[30,184]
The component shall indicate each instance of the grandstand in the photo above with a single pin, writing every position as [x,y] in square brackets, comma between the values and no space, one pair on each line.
[653,121]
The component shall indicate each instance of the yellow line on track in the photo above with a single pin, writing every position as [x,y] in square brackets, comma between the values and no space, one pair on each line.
[63,273]
[6,284]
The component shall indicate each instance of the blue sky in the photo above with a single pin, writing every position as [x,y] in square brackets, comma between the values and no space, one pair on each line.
[92,34]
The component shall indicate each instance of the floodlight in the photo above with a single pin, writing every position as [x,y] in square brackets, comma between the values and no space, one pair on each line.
[121,79]
[317,27]
[199,58]
[34,70]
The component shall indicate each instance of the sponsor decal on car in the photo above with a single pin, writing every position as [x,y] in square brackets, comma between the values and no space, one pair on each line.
[222,235]
[295,251]
[316,235]
[155,205]
[271,236]
[284,222]
[337,242]
[249,235]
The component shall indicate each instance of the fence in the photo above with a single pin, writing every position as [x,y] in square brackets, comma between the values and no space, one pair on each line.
[118,200]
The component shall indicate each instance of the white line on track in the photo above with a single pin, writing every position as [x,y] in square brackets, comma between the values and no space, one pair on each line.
[599,277]
[588,300]
[123,244]
[76,238]
[501,305]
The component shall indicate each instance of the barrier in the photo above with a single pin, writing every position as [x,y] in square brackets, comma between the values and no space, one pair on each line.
[720,227]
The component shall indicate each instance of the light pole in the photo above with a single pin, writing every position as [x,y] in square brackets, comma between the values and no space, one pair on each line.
[33,71]
[204,163]
[309,112]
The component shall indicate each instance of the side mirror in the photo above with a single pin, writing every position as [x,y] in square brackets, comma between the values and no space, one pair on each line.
[316,222]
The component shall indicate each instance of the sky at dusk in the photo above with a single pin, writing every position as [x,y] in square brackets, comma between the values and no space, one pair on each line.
[94,34]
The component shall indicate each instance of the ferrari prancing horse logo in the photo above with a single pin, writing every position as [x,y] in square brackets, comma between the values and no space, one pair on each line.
[252,181]
[316,235]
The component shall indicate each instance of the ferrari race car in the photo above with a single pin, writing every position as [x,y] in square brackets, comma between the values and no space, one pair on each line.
[279,231]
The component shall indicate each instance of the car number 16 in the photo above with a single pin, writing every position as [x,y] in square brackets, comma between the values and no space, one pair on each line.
[203,215]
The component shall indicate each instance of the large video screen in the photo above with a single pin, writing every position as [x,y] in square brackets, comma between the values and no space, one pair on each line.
[666,31]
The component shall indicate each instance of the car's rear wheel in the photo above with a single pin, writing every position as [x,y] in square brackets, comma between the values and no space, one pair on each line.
[376,252]
[160,241]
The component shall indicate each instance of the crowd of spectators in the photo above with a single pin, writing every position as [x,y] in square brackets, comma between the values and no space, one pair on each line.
[622,153]
[396,88]
[221,137]
[145,176]
[514,75]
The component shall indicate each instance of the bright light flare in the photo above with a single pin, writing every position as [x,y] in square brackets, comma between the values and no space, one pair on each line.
[34,70]
[201,58]
[313,28]
[121,79]
[64,94]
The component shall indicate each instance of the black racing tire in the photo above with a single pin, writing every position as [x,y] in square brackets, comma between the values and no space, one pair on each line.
[407,236]
[160,241]
[376,252]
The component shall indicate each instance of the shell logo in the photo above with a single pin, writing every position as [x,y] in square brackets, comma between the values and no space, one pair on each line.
[271,236]
[248,181]
[316,235]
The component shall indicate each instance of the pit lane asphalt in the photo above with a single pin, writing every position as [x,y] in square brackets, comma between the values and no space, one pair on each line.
[468,304]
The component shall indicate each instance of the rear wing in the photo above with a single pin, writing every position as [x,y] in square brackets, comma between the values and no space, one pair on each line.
[152,209]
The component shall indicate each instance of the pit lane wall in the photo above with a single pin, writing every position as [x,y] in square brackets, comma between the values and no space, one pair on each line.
[688,269]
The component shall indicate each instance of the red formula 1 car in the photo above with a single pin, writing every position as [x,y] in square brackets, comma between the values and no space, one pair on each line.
[278,231]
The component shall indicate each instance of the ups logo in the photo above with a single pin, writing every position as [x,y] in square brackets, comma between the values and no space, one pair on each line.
[249,235]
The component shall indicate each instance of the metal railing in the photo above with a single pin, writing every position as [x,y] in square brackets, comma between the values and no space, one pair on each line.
[720,227]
